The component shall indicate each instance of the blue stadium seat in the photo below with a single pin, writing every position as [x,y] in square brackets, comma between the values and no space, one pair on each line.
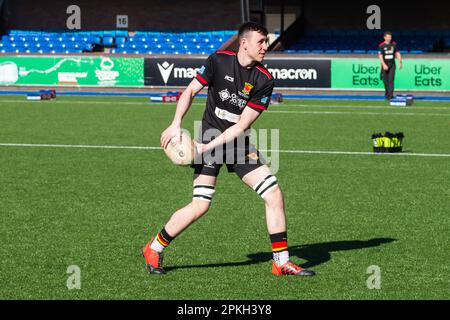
[108,41]
[120,40]
[203,42]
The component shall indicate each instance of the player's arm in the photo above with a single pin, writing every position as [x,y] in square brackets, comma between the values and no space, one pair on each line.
[248,116]
[183,106]
[399,58]
[383,64]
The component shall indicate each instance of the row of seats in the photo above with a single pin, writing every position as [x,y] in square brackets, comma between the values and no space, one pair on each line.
[350,51]
[367,32]
[366,41]
[20,41]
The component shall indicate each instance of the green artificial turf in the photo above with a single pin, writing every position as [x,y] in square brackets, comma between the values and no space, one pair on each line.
[96,207]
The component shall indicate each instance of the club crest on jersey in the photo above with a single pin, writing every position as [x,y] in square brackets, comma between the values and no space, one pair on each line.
[247,88]
[224,95]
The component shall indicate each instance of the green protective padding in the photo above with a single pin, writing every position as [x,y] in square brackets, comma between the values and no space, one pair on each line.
[416,74]
[71,70]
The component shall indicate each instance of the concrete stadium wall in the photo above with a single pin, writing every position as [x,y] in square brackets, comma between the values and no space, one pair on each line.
[142,14]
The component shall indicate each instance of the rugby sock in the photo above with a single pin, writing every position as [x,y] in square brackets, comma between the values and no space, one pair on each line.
[280,248]
[161,241]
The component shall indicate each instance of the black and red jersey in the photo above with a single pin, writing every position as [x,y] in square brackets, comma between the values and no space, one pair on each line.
[232,87]
[388,51]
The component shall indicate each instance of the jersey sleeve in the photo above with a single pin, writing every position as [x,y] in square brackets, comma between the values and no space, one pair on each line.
[205,73]
[395,47]
[260,99]
[380,49]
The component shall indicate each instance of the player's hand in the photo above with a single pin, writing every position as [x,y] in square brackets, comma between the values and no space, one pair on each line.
[385,66]
[199,147]
[169,133]
[400,65]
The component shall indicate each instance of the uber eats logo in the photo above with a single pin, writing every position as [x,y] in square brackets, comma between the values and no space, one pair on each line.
[364,75]
[427,76]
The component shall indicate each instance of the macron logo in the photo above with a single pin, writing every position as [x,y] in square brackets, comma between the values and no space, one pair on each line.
[165,69]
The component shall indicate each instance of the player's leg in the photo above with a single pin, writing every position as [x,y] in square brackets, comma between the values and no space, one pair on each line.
[266,185]
[204,188]
[391,76]
[385,78]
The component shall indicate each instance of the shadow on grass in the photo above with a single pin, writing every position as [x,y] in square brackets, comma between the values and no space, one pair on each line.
[314,254]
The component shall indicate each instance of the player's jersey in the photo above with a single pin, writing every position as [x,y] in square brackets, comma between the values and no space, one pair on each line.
[231,88]
[388,52]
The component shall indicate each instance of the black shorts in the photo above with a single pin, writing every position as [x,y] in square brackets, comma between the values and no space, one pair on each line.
[245,161]
[241,158]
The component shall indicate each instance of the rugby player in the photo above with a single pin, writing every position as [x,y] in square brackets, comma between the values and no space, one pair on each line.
[239,90]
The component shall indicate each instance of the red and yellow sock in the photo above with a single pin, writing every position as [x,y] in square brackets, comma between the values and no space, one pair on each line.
[161,241]
[280,247]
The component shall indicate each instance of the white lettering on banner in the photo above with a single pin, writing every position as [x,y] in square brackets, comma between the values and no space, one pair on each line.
[105,75]
[178,73]
[185,72]
[293,74]
[71,76]
[165,69]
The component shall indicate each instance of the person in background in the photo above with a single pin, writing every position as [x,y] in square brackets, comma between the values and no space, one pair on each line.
[387,53]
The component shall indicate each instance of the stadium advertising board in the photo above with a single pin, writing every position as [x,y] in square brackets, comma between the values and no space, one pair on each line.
[416,74]
[288,73]
[71,71]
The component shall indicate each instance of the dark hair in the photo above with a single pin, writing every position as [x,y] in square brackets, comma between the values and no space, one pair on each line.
[387,33]
[251,26]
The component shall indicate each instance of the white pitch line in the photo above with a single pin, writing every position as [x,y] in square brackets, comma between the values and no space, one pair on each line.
[361,153]
[365,107]
[280,151]
[361,113]
[269,111]
[89,102]
[203,104]
[80,146]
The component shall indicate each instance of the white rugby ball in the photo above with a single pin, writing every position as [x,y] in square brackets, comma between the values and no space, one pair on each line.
[181,152]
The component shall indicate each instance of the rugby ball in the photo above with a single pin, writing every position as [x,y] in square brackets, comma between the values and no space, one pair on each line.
[181,150]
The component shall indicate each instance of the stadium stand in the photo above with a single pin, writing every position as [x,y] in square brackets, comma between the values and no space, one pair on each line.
[120,42]
[365,41]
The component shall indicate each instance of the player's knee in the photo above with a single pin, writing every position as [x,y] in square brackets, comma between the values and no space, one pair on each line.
[203,194]
[200,208]
[268,189]
[274,198]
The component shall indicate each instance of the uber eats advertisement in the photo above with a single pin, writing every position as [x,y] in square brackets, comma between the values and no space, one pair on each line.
[416,74]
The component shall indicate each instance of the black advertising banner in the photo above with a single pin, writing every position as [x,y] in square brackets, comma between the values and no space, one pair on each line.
[300,73]
[171,71]
[288,73]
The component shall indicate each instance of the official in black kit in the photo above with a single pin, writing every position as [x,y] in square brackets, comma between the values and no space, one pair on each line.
[239,90]
[387,52]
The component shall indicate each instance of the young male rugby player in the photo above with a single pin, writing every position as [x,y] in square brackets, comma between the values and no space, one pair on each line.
[239,90]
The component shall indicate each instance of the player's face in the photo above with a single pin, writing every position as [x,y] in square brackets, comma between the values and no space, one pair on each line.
[256,45]
[388,38]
